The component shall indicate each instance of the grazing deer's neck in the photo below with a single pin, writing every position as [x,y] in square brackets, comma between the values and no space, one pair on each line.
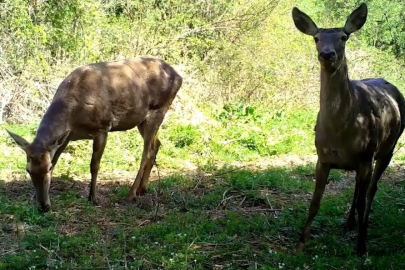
[336,94]
[53,124]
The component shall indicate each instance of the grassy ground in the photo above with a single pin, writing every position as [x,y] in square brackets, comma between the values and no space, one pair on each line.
[233,194]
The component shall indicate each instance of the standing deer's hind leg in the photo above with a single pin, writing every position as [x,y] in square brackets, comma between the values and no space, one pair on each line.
[379,169]
[99,143]
[149,129]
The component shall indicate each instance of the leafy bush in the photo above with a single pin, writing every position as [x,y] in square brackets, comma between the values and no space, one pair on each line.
[385,27]
[183,136]
[228,51]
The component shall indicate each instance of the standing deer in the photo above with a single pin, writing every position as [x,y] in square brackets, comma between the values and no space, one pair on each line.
[96,99]
[359,122]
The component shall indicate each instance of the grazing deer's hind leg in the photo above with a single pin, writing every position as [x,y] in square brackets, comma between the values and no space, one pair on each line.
[148,167]
[321,175]
[99,143]
[149,128]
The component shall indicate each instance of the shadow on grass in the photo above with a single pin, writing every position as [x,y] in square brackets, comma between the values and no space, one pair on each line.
[229,219]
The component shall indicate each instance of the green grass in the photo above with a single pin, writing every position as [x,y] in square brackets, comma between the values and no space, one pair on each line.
[239,219]
[230,135]
[215,217]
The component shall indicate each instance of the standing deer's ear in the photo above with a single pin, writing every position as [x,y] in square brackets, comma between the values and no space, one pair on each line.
[55,143]
[20,141]
[356,19]
[303,22]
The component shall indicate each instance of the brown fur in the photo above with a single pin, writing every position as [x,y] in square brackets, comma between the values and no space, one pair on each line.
[96,99]
[359,122]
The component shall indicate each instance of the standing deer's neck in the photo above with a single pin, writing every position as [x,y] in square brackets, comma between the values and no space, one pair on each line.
[53,124]
[336,94]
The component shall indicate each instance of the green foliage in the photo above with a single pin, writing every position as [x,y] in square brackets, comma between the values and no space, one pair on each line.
[256,79]
[385,27]
[183,136]
[237,219]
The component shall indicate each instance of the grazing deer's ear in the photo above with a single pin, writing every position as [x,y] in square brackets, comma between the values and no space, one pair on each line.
[356,19]
[20,141]
[303,22]
[55,143]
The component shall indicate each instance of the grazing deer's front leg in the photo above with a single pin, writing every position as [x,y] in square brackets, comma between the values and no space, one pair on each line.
[58,153]
[321,175]
[99,143]
[364,172]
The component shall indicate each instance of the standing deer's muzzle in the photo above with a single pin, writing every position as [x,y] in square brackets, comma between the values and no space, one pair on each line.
[328,55]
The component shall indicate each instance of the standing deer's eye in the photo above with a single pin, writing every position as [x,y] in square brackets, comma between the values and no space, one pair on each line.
[316,39]
[50,168]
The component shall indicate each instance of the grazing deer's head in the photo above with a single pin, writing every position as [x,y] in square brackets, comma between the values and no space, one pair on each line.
[330,42]
[39,165]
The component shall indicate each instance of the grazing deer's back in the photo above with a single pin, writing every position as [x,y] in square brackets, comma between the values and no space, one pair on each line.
[115,95]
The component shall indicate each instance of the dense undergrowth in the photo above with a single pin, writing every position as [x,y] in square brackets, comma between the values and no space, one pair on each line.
[236,163]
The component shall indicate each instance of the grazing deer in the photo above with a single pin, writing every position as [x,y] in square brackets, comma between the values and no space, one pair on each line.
[96,99]
[359,122]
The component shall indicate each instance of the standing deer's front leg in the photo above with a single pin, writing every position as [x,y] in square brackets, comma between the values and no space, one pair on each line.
[321,174]
[364,172]
[99,143]
[351,219]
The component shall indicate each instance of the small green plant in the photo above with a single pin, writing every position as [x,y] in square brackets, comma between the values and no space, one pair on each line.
[183,136]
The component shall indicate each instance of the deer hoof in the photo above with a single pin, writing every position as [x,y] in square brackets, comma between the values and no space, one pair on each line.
[349,227]
[93,201]
[33,199]
[130,199]
[299,248]
[361,250]
[141,191]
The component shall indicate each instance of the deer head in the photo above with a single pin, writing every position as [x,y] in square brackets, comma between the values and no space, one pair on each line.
[330,42]
[39,165]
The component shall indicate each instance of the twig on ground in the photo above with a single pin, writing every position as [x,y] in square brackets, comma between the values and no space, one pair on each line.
[144,222]
[225,199]
[50,251]
[242,201]
[106,253]
[226,172]
[199,181]
[8,252]
[262,210]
